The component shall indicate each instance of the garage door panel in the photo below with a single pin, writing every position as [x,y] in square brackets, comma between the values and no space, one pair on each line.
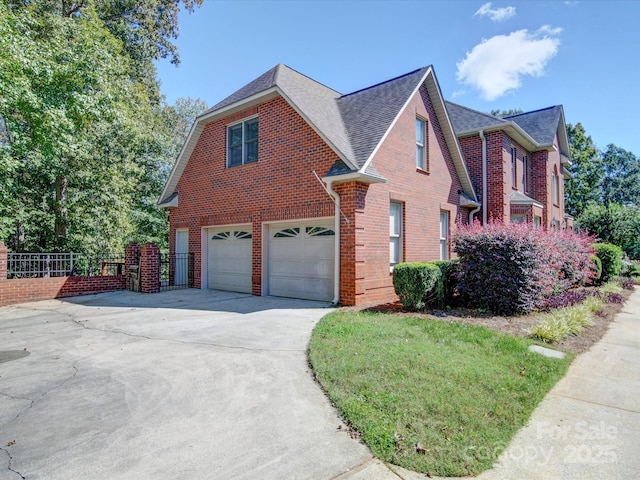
[230,252]
[301,261]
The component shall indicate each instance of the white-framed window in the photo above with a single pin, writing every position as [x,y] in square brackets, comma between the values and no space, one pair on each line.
[525,173]
[444,235]
[421,144]
[555,182]
[395,233]
[242,142]
[518,218]
[537,221]
[513,167]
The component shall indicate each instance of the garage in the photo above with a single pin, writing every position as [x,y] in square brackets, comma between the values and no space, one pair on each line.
[229,258]
[301,260]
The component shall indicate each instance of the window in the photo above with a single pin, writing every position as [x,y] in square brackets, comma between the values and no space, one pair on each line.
[444,235]
[513,167]
[421,144]
[395,233]
[537,221]
[556,187]
[525,173]
[242,143]
[518,218]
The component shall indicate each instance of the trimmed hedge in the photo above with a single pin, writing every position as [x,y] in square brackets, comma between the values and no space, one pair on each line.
[611,259]
[447,283]
[414,282]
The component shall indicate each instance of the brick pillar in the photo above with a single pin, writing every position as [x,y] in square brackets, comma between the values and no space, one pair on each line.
[131,257]
[150,268]
[3,262]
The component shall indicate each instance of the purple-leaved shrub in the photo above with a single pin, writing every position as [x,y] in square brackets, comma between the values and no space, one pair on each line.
[517,268]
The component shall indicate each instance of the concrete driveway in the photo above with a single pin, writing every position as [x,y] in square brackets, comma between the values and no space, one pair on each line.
[185,384]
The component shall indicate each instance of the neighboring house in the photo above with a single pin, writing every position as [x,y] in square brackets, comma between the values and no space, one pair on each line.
[246,195]
[517,163]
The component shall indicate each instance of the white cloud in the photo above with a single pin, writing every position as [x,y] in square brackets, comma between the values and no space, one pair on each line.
[496,14]
[497,65]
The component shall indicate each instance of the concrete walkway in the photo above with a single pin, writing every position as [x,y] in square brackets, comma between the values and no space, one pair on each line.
[587,427]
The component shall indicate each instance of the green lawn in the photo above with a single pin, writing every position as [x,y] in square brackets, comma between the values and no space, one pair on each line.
[458,392]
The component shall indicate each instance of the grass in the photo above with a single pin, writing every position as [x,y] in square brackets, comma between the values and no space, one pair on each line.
[430,396]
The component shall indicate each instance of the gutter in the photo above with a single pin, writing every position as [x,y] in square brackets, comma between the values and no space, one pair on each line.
[336,263]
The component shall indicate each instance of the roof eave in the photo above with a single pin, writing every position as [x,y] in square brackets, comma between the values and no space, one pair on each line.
[354,177]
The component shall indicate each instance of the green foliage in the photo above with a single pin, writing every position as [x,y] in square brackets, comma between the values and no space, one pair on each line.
[506,113]
[84,144]
[621,182]
[614,223]
[447,282]
[596,268]
[584,186]
[611,257]
[413,282]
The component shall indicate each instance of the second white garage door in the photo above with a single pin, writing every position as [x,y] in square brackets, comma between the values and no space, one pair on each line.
[229,258]
[301,260]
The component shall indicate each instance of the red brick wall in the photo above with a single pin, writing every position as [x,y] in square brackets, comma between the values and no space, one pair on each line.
[499,182]
[423,194]
[280,186]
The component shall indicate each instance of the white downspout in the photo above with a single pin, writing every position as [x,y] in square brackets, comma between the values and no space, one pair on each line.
[484,177]
[336,263]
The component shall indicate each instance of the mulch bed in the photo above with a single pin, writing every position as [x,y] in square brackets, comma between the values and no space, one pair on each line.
[517,326]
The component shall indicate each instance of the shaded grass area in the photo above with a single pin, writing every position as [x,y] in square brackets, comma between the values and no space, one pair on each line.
[430,396]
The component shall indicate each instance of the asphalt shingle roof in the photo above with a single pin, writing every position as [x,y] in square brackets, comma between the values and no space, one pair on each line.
[368,113]
[465,119]
[353,125]
[541,125]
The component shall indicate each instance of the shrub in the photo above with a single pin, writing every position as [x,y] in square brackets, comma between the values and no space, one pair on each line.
[566,299]
[628,284]
[611,257]
[447,282]
[596,268]
[561,323]
[413,282]
[515,268]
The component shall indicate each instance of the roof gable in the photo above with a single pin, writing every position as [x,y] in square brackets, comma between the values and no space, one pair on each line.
[353,125]
[542,124]
[369,113]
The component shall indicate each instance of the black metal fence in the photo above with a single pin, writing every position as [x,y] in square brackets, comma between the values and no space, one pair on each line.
[176,271]
[34,265]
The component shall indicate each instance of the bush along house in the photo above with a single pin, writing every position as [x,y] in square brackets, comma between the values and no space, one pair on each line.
[289,188]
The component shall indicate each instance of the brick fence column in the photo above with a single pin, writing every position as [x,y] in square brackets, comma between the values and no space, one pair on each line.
[150,268]
[131,257]
[3,262]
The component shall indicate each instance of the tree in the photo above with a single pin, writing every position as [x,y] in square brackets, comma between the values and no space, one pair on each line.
[506,113]
[584,188]
[621,183]
[81,120]
[614,223]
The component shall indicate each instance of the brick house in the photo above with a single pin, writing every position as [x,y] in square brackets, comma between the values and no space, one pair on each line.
[290,188]
[517,164]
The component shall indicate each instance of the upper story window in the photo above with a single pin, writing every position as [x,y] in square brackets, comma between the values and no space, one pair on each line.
[555,182]
[513,167]
[525,173]
[421,144]
[242,143]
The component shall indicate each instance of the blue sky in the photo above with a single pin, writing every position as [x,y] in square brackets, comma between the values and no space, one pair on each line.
[499,55]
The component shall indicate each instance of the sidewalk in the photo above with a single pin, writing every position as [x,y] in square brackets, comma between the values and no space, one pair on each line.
[587,427]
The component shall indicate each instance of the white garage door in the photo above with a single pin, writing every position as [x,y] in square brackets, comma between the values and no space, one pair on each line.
[229,258]
[301,260]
